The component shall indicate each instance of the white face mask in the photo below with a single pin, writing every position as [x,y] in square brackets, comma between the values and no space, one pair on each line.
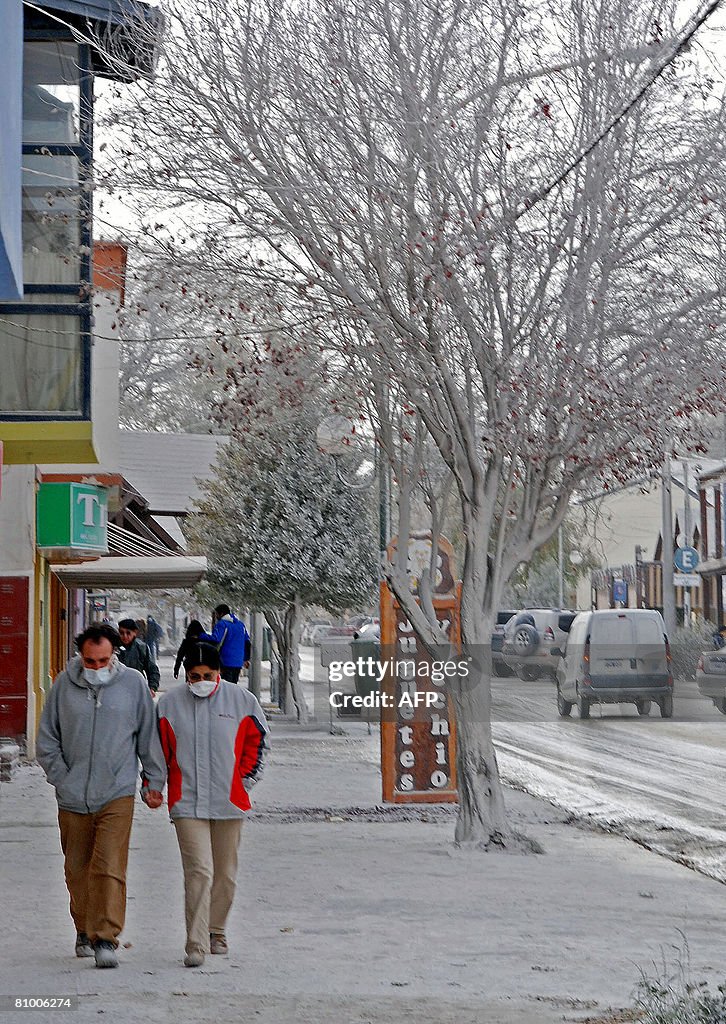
[204,688]
[96,676]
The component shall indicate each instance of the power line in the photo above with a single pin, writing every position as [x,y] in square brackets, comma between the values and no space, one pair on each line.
[692,27]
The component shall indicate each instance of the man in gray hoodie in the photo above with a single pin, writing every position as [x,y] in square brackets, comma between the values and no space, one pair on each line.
[97,723]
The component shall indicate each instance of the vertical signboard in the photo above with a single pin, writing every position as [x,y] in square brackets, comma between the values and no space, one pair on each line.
[418,727]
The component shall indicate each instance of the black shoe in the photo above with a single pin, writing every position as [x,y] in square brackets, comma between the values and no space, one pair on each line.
[84,947]
[105,953]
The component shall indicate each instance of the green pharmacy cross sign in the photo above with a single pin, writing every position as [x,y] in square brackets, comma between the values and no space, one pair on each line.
[72,517]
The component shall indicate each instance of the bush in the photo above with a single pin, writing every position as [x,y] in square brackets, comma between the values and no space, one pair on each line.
[670,997]
[687,645]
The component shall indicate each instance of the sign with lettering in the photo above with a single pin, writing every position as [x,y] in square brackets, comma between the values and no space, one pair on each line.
[72,517]
[418,726]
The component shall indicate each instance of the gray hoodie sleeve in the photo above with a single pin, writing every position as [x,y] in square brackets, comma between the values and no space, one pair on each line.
[48,749]
[148,744]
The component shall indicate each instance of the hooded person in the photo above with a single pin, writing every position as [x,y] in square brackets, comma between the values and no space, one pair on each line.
[215,739]
[97,724]
[233,642]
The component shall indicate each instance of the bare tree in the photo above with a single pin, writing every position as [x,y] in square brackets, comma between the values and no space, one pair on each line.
[440,194]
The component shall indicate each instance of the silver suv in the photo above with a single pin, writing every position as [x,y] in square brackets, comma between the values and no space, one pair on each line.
[533,639]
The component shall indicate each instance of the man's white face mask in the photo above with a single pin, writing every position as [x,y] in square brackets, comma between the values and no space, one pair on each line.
[96,676]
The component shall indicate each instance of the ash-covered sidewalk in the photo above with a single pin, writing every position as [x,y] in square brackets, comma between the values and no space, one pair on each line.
[350,913]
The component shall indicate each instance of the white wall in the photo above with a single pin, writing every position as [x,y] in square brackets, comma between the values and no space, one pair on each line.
[17,520]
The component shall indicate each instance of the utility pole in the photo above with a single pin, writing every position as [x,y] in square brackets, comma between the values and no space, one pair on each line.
[688,531]
[561,565]
[669,594]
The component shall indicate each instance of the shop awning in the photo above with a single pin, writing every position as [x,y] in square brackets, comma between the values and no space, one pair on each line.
[137,573]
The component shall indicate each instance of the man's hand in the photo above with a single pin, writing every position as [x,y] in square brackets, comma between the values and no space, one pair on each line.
[153,798]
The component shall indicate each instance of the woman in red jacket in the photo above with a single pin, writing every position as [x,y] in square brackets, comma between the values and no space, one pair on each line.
[215,740]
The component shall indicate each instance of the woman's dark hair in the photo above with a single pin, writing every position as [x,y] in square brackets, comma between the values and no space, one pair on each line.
[202,654]
[96,632]
[194,629]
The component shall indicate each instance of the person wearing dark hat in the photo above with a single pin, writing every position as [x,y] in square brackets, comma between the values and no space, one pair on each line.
[215,739]
[136,654]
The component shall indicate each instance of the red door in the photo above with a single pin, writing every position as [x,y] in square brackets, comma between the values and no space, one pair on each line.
[14,595]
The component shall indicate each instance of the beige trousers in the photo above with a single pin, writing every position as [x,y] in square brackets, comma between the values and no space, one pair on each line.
[209,857]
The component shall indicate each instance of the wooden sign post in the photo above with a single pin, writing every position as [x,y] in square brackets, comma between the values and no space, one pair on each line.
[418,727]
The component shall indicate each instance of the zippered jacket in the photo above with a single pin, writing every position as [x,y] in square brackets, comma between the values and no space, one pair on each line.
[137,655]
[215,749]
[91,738]
[232,640]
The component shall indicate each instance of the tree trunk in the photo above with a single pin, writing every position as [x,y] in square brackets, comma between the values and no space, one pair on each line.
[482,820]
[291,660]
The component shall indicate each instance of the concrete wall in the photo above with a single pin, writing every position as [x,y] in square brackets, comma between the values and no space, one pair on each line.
[11,74]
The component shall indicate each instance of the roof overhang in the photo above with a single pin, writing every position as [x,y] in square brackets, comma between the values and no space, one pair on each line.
[170,572]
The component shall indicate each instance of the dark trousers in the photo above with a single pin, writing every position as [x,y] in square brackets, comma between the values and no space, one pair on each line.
[231,675]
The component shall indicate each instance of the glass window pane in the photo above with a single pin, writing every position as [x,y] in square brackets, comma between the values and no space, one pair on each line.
[42,366]
[51,219]
[51,92]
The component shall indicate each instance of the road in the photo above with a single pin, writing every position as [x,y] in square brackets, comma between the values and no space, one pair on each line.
[659,782]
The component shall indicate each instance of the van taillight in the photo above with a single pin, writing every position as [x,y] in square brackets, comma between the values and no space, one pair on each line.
[549,633]
[701,666]
[669,659]
[587,681]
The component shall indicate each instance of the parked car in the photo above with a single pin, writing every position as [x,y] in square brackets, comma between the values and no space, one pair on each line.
[531,638]
[616,657]
[498,666]
[326,634]
[711,677]
[309,626]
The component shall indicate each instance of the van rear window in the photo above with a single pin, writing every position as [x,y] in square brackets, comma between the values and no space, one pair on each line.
[612,629]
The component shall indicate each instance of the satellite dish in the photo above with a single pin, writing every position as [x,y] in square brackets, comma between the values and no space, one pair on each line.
[576,557]
[336,435]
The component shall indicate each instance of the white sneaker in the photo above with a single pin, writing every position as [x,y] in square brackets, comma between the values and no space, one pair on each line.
[105,953]
[84,946]
[194,959]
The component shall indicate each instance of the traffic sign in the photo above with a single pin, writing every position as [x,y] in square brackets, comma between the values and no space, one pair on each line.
[685,559]
[620,592]
[686,579]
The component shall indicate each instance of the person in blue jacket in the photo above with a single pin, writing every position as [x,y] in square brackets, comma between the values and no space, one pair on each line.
[233,642]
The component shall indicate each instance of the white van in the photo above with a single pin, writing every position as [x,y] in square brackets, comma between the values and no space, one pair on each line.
[616,657]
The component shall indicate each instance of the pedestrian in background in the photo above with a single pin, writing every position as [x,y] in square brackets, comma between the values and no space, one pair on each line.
[233,642]
[194,634]
[136,654]
[215,739]
[97,724]
[154,636]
